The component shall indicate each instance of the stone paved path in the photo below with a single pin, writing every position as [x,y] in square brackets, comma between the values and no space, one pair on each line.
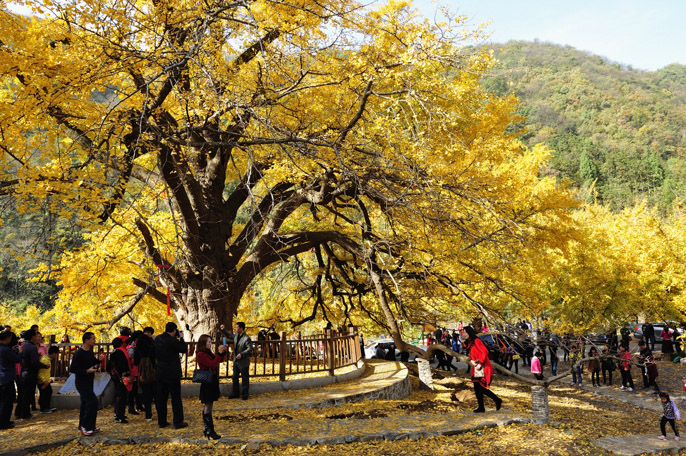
[644,399]
[638,444]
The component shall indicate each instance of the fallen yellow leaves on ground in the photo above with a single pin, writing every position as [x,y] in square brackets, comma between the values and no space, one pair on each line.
[578,417]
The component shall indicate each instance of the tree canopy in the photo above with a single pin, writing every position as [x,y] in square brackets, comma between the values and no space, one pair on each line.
[201,144]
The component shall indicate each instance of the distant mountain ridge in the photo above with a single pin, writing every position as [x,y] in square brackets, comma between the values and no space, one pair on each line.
[621,129]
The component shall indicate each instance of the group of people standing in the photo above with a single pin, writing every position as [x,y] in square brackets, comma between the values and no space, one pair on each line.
[143,369]
[26,364]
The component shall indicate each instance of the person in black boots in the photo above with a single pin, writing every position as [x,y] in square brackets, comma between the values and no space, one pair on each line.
[144,358]
[30,364]
[209,392]
[84,365]
[242,346]
[168,346]
[481,369]
[9,357]
[119,369]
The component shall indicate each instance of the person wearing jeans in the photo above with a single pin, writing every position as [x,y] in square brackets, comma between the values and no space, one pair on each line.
[242,347]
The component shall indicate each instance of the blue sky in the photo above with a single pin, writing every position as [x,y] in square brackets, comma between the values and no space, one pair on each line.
[647,34]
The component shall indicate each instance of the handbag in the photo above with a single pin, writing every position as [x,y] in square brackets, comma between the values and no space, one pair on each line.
[478,372]
[516,357]
[202,376]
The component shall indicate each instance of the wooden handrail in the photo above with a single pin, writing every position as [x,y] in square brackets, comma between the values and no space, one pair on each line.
[276,357]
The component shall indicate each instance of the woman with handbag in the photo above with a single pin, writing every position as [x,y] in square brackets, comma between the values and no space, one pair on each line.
[208,362]
[481,369]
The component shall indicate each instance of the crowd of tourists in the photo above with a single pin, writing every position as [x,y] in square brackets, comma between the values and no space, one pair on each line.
[145,370]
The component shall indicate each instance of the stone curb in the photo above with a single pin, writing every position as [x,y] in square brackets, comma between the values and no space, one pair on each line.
[398,389]
[37,448]
[412,434]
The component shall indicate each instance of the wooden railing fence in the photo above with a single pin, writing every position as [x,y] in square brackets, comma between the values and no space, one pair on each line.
[270,358]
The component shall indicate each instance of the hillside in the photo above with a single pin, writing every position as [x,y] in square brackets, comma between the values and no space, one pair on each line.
[619,127]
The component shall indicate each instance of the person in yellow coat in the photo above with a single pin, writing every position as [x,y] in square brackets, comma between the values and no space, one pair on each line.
[43,383]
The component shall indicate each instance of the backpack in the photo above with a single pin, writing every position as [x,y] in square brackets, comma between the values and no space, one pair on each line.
[146,373]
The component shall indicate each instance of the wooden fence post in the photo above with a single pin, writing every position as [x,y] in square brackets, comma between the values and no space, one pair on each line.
[329,349]
[282,358]
[355,341]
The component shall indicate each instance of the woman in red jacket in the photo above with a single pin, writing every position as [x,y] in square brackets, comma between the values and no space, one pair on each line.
[481,369]
[209,392]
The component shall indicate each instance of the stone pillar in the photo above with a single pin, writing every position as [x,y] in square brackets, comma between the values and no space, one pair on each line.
[540,409]
[425,380]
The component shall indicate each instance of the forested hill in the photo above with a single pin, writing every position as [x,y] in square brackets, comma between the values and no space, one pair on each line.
[623,128]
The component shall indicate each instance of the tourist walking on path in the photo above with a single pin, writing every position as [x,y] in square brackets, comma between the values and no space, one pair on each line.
[242,346]
[168,346]
[9,357]
[481,369]
[670,414]
[594,366]
[209,392]
[625,366]
[554,359]
[84,365]
[513,358]
[609,365]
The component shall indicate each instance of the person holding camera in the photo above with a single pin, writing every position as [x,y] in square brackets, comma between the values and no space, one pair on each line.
[209,392]
[168,346]
[84,365]
[9,357]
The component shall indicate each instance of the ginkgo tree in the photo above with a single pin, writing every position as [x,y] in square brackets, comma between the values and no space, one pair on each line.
[202,143]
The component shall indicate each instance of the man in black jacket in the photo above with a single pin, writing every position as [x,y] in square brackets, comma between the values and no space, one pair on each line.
[649,335]
[28,377]
[119,368]
[84,365]
[168,346]
[8,360]
[242,346]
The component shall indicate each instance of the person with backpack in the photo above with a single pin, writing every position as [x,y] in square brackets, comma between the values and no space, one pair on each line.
[144,358]
[670,414]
